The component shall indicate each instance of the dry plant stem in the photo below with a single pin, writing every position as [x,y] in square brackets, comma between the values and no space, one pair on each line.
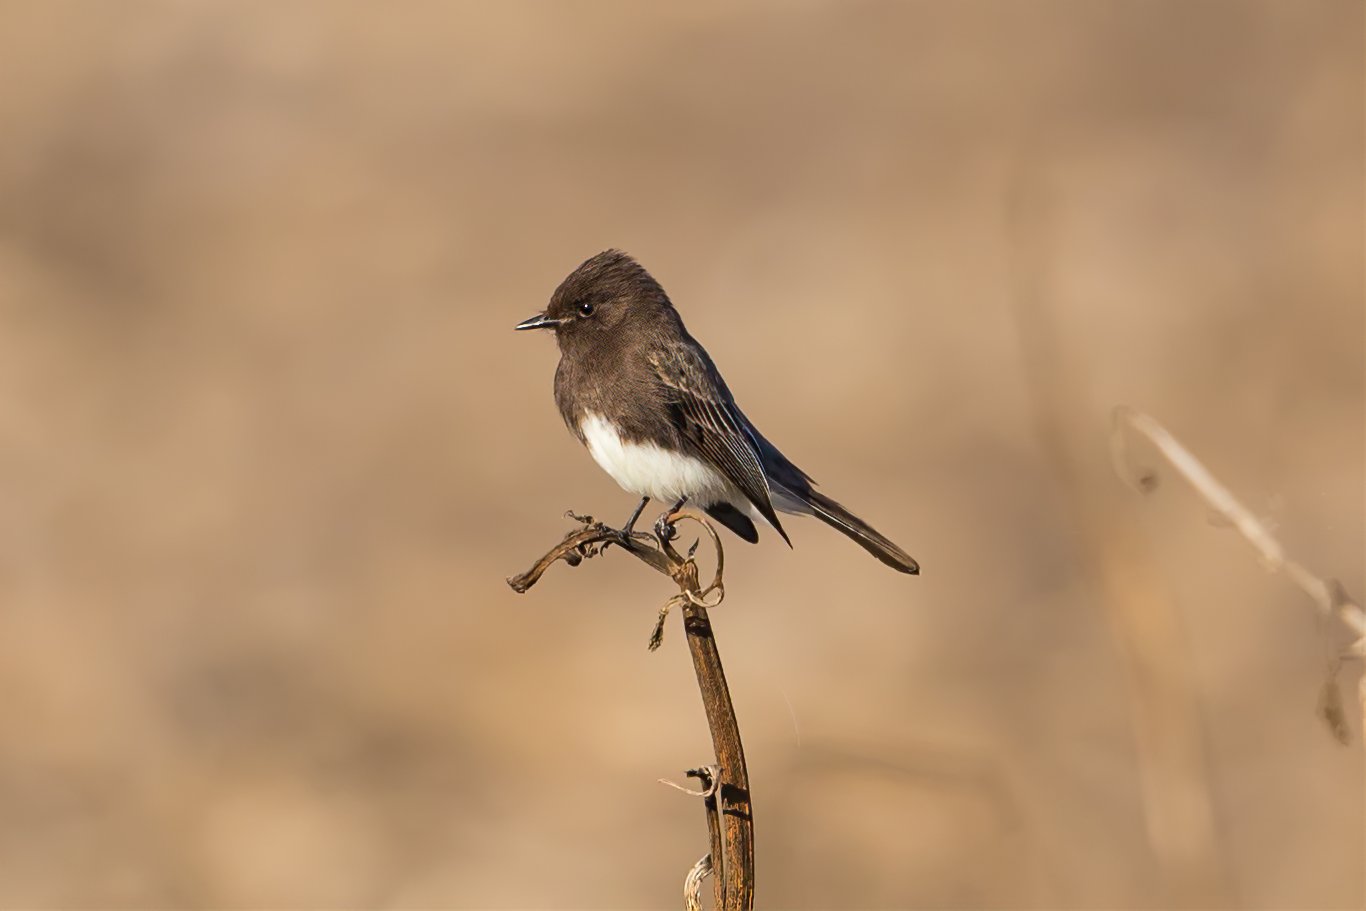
[726,796]
[1328,595]
[1332,599]
[710,777]
[1125,581]
[729,805]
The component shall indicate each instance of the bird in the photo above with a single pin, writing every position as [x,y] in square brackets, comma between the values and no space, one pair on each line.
[647,401]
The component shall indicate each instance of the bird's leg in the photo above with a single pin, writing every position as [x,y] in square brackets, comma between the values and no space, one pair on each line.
[631,522]
[626,530]
[664,529]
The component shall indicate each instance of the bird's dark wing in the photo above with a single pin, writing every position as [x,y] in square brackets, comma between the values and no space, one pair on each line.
[713,425]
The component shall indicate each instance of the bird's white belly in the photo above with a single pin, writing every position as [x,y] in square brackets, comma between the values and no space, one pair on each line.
[649,470]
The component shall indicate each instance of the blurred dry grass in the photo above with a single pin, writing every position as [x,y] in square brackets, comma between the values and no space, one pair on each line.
[268,446]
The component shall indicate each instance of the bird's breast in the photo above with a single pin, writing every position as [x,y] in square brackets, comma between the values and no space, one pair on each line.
[649,470]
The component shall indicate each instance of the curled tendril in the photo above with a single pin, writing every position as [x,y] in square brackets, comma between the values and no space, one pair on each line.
[594,538]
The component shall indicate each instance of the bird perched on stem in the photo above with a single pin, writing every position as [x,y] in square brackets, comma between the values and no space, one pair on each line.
[655,414]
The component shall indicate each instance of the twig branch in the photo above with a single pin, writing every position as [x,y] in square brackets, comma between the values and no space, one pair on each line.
[1328,595]
[730,822]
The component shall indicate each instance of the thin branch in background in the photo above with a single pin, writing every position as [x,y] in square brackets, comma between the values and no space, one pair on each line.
[1328,595]
[730,822]
[1154,657]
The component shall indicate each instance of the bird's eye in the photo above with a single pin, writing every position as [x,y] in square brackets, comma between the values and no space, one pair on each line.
[585,309]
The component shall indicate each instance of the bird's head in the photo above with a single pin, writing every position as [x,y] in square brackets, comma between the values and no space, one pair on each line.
[599,299]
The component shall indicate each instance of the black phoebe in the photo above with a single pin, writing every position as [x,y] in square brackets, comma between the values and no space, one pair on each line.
[651,407]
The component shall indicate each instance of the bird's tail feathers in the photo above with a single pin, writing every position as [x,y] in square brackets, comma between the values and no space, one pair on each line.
[815,503]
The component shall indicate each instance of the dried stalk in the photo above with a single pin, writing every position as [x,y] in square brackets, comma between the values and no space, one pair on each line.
[1327,595]
[725,792]
[1173,767]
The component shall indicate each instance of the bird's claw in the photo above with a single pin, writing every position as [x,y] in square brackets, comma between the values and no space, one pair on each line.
[664,528]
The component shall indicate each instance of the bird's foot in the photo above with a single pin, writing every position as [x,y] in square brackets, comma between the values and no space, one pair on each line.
[664,526]
[628,530]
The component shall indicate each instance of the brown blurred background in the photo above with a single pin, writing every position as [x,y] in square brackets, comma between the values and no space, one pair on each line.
[269,447]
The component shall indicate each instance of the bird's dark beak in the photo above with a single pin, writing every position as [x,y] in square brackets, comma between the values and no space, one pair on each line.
[539,321]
